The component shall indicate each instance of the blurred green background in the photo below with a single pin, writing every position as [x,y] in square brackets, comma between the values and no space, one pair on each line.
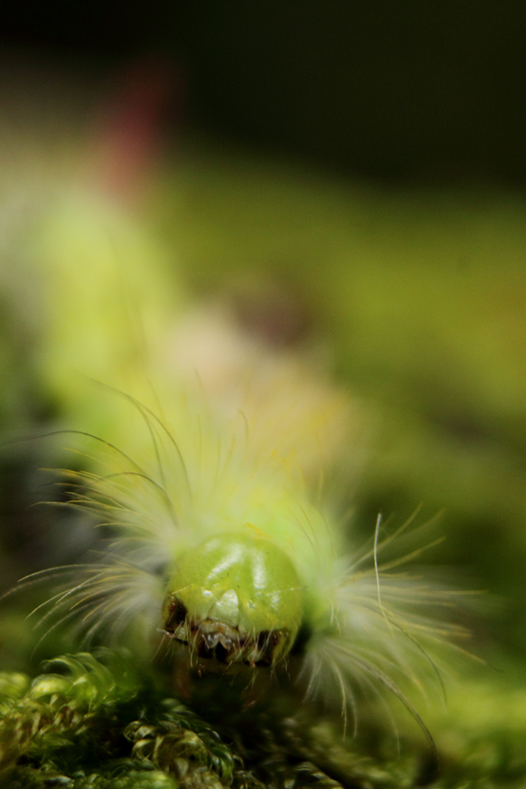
[370,159]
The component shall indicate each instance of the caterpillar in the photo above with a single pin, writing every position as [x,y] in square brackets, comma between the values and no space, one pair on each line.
[221,554]
[227,543]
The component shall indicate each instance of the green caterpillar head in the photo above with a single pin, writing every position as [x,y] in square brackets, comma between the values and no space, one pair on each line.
[237,599]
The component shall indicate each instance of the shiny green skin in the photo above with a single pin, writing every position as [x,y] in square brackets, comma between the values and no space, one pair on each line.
[243,581]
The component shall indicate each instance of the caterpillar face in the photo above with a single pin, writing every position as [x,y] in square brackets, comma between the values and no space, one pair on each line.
[236,598]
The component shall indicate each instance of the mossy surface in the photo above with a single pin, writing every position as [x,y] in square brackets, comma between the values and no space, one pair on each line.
[94,722]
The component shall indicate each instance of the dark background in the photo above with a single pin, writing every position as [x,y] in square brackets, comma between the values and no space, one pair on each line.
[407,91]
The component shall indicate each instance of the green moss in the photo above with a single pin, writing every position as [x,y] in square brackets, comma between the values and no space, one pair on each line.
[93,722]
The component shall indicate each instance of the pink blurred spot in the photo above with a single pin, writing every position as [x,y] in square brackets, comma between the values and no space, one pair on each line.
[131,129]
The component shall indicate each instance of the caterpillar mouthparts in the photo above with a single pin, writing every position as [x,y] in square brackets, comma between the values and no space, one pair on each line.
[213,639]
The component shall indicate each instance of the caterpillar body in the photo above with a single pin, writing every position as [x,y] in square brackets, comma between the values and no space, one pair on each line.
[226,541]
